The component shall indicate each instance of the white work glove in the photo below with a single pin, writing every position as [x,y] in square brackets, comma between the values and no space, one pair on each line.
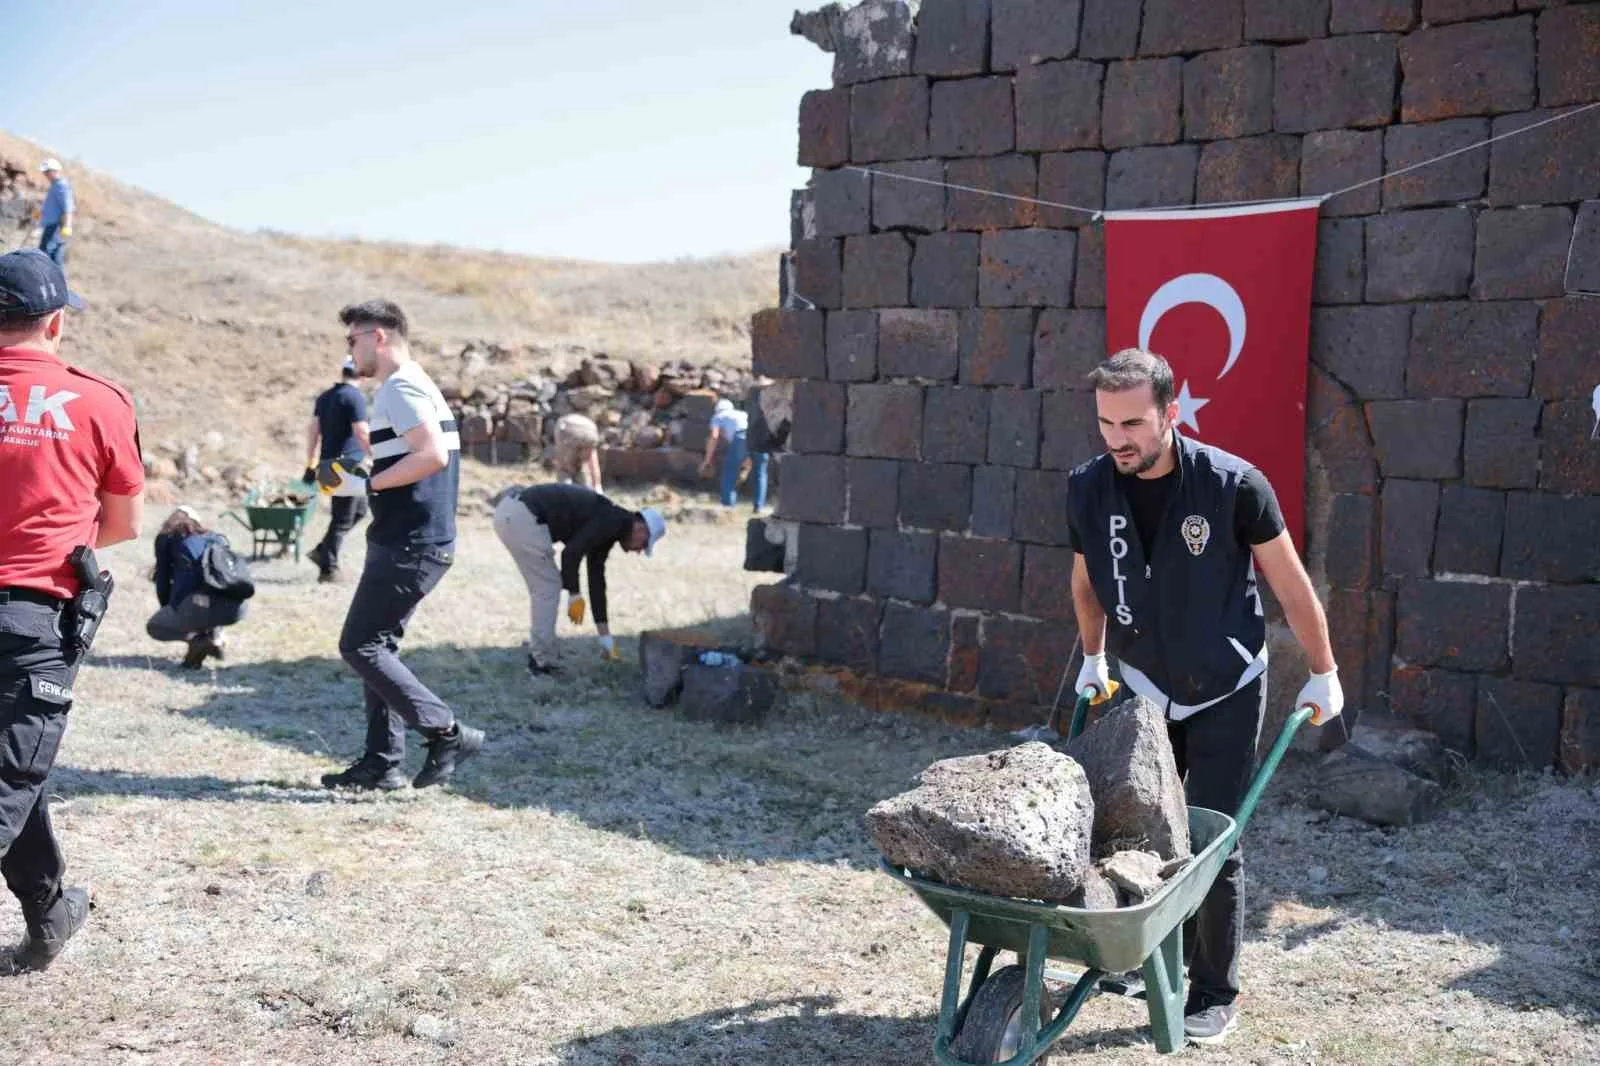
[336,479]
[1324,695]
[1096,675]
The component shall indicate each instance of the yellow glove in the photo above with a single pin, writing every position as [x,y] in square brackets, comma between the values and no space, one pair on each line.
[575,606]
[66,230]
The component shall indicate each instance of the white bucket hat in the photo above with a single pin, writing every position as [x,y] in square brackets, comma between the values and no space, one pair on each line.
[50,164]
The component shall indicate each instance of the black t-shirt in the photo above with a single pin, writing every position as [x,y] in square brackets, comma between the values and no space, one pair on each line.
[337,410]
[1257,518]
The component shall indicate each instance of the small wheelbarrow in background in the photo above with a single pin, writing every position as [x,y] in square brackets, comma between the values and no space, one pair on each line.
[1004,1017]
[277,519]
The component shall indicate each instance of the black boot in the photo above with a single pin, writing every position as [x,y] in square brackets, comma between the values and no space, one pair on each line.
[368,772]
[48,932]
[445,752]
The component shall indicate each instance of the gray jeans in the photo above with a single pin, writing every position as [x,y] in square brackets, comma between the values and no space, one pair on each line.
[528,541]
[195,613]
[393,582]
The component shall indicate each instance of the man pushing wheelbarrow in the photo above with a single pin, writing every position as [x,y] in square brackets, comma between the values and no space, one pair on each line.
[1168,534]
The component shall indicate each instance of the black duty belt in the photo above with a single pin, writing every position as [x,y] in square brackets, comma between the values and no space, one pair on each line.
[22,595]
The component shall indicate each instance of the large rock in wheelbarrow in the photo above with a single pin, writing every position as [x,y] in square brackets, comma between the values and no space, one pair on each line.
[1010,823]
[1138,795]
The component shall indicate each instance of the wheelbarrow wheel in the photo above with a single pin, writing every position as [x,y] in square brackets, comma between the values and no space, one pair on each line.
[992,1028]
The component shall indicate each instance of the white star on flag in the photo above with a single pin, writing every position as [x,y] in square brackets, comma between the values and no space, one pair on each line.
[1188,407]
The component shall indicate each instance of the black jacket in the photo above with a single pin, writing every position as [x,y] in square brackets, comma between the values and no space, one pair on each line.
[1186,625]
[588,526]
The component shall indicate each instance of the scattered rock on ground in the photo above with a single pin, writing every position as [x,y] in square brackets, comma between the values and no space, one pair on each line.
[1351,782]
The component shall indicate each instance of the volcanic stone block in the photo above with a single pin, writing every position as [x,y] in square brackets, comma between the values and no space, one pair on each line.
[1333,83]
[984,575]
[1569,460]
[884,421]
[1027,268]
[1047,582]
[889,120]
[739,693]
[1067,345]
[1079,179]
[874,487]
[1552,538]
[1518,723]
[1549,625]
[911,205]
[825,128]
[955,425]
[1418,255]
[1350,550]
[1331,160]
[1009,823]
[1439,701]
[1097,893]
[1459,625]
[1522,253]
[1025,32]
[1439,12]
[1410,513]
[1502,444]
[944,270]
[1228,94]
[787,344]
[972,117]
[1364,16]
[875,41]
[1363,347]
[1143,103]
[813,488]
[833,558]
[994,492]
[919,344]
[996,347]
[1058,106]
[785,619]
[914,644]
[935,496]
[1472,349]
[1339,436]
[1181,26]
[818,424]
[852,348]
[901,566]
[1022,660]
[952,37]
[1138,793]
[877,271]
[1090,289]
[1013,175]
[1583,271]
[1252,168]
[1152,177]
[1580,732]
[1417,438]
[1340,273]
[1565,367]
[1554,165]
[661,662]
[842,202]
[847,633]
[1448,181]
[819,271]
[1285,20]
[1071,432]
[1014,427]
[1110,29]
[1468,540]
[1354,784]
[1569,42]
[1477,68]
[1042,507]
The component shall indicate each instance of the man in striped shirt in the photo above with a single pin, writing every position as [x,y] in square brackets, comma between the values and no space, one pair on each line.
[416,455]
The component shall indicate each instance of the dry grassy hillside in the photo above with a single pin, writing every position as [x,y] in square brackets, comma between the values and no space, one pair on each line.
[224,337]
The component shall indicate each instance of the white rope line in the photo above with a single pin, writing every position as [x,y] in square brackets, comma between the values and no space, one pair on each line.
[1091,211]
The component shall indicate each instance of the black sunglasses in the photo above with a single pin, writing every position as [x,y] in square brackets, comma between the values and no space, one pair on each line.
[350,338]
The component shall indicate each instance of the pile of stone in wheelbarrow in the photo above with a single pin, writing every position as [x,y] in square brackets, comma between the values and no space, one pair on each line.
[1099,823]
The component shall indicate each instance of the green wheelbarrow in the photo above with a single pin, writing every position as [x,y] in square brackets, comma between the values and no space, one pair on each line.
[276,527]
[1004,1017]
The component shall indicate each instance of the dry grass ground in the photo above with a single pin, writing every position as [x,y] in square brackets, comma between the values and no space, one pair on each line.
[612,886]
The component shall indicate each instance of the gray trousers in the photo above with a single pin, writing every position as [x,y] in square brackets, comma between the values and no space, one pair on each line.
[195,613]
[528,541]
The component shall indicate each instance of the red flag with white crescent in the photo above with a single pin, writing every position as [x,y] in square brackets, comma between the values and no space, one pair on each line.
[1224,294]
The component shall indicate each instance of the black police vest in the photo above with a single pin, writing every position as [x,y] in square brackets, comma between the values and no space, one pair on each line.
[1188,618]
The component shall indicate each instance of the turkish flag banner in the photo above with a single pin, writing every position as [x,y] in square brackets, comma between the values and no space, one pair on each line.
[1224,295]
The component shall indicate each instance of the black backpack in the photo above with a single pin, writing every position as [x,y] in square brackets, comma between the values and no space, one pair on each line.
[225,572]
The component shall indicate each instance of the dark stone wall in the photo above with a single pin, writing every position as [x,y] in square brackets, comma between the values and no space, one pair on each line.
[1453,512]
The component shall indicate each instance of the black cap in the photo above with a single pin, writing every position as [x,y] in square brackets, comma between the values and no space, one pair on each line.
[32,285]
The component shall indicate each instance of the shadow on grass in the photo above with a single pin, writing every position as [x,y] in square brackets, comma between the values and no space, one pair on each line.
[77,783]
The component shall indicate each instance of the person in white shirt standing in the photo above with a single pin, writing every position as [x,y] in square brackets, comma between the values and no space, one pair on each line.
[732,425]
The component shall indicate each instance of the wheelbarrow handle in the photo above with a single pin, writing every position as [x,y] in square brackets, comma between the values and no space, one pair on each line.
[236,518]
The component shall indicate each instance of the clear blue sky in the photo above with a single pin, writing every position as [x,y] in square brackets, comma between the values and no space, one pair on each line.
[602,129]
